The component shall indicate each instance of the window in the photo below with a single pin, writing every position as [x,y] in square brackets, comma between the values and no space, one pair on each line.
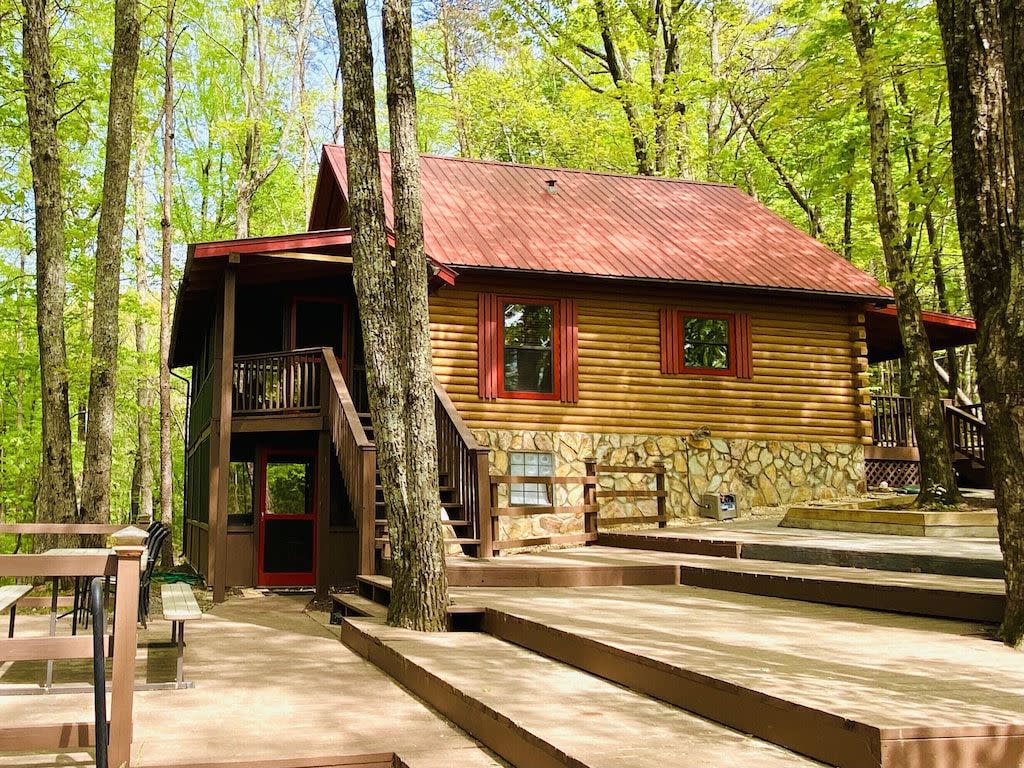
[528,342]
[240,492]
[527,348]
[706,343]
[533,465]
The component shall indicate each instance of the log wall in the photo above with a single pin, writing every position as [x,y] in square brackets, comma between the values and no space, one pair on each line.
[809,365]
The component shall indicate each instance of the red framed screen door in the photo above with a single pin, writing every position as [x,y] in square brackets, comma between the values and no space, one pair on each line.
[287,524]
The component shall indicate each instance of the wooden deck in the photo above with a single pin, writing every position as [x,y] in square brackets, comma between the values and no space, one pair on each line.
[849,687]
[764,540]
[273,688]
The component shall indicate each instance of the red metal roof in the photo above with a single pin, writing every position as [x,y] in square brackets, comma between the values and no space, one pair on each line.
[493,215]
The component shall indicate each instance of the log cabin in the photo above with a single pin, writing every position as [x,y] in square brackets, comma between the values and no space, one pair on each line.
[583,325]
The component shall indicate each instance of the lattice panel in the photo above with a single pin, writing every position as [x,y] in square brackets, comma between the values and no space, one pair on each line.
[896,473]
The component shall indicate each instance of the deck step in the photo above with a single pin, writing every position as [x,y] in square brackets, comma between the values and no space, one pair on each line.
[584,720]
[452,523]
[347,604]
[844,686]
[922,594]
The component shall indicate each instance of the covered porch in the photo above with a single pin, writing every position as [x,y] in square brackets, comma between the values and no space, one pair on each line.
[892,457]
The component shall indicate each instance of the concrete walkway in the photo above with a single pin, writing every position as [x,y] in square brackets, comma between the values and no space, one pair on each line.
[270,683]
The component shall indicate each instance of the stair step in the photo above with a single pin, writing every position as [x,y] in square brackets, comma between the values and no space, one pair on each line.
[445,504]
[382,540]
[453,523]
[442,488]
[582,722]
[348,604]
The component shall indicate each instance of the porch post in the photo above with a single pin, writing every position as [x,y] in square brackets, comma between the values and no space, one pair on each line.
[220,431]
[323,512]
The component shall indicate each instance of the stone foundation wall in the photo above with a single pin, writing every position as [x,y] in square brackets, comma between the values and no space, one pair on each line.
[760,473]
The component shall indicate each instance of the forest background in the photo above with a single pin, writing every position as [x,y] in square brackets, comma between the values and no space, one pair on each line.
[765,96]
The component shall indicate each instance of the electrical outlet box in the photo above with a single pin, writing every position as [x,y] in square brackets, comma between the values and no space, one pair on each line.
[718,506]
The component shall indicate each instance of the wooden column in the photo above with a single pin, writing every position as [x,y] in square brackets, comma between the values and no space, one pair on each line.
[220,431]
[323,512]
[128,549]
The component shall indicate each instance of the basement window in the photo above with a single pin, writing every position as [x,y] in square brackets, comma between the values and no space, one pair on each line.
[532,465]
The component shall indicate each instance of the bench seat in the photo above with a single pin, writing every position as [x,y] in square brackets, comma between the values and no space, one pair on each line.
[179,606]
[10,594]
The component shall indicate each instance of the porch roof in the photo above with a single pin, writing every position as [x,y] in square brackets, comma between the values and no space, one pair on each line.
[284,256]
[944,332]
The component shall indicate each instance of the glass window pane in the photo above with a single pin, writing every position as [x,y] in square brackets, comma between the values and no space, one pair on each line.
[534,465]
[706,343]
[529,351]
[289,487]
[240,492]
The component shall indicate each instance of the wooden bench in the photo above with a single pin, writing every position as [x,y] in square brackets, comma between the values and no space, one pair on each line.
[9,597]
[179,606]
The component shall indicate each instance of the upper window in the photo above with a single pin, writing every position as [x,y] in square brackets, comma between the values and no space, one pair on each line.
[528,339]
[707,342]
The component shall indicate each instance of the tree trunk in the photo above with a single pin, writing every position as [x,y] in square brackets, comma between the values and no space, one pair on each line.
[143,390]
[985,72]
[56,497]
[389,308]
[622,78]
[419,597]
[99,436]
[166,464]
[938,483]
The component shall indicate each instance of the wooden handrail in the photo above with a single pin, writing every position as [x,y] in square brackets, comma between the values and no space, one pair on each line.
[966,433]
[357,455]
[445,402]
[314,351]
[467,466]
[82,529]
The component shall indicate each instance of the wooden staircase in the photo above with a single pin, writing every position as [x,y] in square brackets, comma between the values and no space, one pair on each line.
[463,472]
[965,429]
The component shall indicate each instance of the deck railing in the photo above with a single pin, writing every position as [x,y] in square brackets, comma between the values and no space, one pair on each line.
[892,421]
[966,433]
[356,454]
[588,509]
[126,564]
[277,382]
[467,466]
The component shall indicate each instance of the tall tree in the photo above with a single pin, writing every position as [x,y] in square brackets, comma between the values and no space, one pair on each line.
[938,483]
[166,189]
[392,309]
[109,240]
[984,46]
[143,386]
[56,497]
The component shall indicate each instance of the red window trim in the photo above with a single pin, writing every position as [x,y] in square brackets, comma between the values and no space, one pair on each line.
[734,350]
[740,345]
[556,364]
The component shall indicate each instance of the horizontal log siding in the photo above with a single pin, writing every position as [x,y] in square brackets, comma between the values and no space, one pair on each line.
[806,358]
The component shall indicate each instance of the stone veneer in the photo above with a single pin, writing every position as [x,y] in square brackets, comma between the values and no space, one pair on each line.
[760,472]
